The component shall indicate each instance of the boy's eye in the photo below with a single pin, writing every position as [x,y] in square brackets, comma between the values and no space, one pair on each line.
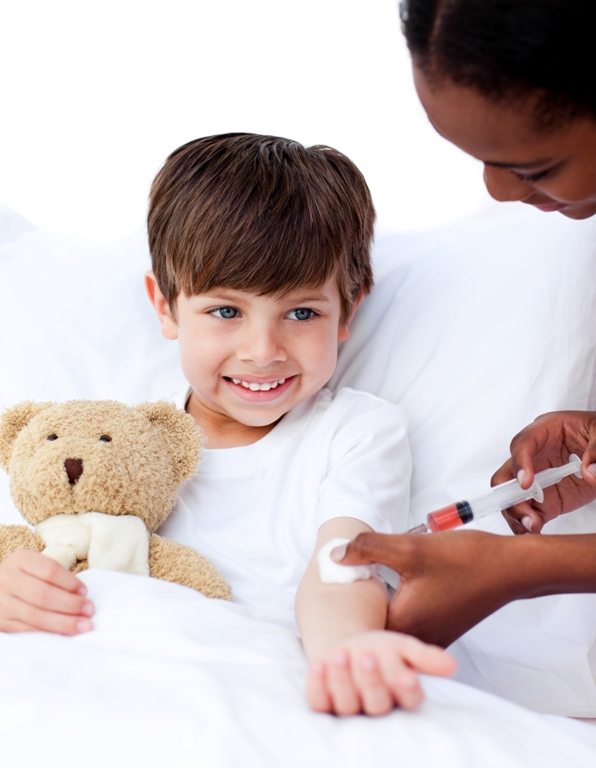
[226,313]
[301,313]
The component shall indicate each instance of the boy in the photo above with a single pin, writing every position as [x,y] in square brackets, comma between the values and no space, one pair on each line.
[260,252]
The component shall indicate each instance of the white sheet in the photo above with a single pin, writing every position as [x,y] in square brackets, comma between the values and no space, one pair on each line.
[170,678]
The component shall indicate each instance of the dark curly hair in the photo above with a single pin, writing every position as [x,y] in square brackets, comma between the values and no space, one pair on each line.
[509,49]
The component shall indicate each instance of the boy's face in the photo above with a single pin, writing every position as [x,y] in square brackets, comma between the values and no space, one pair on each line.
[250,359]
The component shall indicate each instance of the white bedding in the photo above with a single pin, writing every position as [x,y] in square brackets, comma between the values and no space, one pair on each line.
[477,328]
[170,678]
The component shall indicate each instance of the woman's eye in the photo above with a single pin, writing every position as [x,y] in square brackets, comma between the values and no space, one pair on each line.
[226,313]
[531,177]
[301,314]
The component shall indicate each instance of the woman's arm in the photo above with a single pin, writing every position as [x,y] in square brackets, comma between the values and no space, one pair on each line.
[450,581]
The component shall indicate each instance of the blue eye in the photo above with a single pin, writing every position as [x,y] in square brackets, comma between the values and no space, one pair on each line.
[301,313]
[226,313]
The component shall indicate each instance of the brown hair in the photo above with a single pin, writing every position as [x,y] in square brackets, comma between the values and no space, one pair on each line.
[262,214]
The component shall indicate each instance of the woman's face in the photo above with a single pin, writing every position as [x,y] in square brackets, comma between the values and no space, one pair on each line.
[553,169]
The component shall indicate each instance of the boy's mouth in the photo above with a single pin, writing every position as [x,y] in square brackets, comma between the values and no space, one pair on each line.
[257,386]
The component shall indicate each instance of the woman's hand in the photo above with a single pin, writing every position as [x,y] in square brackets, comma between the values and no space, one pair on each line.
[548,442]
[448,581]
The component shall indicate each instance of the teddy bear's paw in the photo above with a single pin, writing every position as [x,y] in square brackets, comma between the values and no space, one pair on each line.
[13,537]
[175,562]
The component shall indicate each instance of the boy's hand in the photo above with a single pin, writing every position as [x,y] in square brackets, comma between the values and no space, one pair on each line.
[37,593]
[374,672]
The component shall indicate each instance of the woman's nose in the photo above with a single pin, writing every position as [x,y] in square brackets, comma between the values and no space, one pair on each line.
[505,186]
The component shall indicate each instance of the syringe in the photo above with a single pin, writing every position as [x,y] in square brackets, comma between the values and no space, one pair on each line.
[499,497]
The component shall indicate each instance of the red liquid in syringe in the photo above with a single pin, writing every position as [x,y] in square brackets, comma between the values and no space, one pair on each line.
[449,517]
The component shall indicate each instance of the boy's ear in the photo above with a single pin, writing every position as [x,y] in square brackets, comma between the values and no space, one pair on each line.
[169,326]
[344,328]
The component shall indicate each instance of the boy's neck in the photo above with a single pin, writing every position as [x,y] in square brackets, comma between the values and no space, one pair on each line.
[223,432]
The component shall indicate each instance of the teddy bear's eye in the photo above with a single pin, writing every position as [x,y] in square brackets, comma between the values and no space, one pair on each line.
[53,436]
[105,439]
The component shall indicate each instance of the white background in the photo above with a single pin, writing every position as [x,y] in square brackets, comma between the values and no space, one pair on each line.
[95,95]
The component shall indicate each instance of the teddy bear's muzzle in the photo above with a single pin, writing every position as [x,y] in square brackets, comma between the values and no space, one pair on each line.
[74,469]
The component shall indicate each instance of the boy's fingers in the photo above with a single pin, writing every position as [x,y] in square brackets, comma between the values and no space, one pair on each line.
[374,693]
[426,658]
[38,619]
[10,625]
[345,698]
[406,688]
[46,569]
[316,688]
[39,594]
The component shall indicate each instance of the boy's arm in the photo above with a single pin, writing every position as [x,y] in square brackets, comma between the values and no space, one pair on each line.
[327,614]
[357,666]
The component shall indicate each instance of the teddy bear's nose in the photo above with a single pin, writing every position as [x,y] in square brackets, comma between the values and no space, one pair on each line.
[74,469]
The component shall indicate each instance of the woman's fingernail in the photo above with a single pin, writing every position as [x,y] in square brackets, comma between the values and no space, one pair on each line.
[87,608]
[527,522]
[521,475]
[84,625]
[82,590]
[592,469]
[337,554]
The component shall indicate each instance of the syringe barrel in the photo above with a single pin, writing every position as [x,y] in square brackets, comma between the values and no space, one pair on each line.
[500,497]
[449,517]
[554,475]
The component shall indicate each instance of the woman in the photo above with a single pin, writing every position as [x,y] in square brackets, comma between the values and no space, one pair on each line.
[511,83]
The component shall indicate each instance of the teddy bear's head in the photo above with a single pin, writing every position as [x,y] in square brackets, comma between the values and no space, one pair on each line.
[97,456]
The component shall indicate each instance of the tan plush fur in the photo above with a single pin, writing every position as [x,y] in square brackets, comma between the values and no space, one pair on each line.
[132,462]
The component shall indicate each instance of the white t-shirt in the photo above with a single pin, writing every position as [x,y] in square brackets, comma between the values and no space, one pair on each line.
[255,510]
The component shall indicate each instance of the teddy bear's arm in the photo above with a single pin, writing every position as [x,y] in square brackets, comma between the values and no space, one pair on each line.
[13,537]
[175,562]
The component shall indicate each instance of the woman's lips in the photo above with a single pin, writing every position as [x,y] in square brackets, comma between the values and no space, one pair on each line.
[548,207]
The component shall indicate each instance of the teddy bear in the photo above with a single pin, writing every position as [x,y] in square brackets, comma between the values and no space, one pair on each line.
[95,479]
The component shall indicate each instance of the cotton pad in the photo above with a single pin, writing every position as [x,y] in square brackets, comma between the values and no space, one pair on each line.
[335,573]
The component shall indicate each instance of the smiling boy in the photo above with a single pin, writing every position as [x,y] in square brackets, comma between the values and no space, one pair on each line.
[260,253]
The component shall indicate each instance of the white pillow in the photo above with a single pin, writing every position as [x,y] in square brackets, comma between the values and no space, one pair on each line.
[474,328]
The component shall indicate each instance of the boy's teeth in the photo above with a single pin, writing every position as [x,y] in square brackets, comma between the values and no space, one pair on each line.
[256,387]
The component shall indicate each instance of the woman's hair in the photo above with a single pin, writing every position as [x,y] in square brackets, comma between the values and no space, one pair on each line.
[262,214]
[509,49]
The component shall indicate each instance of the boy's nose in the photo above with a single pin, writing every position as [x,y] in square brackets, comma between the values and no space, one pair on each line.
[262,347]
[505,186]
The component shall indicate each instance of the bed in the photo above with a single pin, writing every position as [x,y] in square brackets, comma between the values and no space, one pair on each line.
[475,328]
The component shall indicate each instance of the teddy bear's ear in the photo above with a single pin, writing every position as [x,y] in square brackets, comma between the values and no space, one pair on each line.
[180,433]
[12,421]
